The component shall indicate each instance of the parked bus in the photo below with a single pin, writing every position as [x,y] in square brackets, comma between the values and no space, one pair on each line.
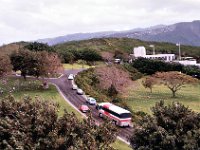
[118,115]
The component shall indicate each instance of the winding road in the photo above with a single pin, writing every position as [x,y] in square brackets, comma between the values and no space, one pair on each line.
[65,86]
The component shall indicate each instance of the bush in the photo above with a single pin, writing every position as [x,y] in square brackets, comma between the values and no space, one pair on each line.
[29,124]
[149,67]
[134,73]
[171,127]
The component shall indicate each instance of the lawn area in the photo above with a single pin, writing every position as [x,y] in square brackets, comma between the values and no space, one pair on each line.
[50,94]
[140,99]
[76,66]
[119,145]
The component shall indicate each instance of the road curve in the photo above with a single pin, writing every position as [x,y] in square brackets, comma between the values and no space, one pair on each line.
[65,86]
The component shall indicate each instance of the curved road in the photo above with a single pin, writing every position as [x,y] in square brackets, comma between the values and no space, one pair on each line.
[65,87]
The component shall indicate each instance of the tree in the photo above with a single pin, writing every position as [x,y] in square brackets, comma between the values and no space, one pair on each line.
[49,64]
[28,124]
[36,46]
[5,65]
[149,67]
[24,61]
[148,82]
[36,63]
[171,127]
[90,55]
[174,80]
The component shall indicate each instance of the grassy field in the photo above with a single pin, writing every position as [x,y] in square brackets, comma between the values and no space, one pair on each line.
[75,66]
[119,145]
[140,99]
[51,94]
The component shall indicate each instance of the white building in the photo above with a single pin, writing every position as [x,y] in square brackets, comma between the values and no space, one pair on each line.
[141,52]
[191,62]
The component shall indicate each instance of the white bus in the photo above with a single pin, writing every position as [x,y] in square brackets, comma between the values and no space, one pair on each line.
[120,116]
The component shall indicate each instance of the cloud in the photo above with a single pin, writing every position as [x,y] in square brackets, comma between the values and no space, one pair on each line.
[30,20]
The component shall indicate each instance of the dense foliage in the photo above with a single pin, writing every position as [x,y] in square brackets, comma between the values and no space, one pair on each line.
[89,55]
[36,63]
[36,46]
[148,66]
[134,73]
[29,124]
[172,127]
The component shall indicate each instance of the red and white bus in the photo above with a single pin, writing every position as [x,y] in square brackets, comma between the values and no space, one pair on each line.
[120,116]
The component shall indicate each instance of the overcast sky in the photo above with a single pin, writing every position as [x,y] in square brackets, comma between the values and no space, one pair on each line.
[33,19]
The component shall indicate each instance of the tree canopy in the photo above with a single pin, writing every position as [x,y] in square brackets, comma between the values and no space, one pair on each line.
[36,46]
[174,127]
[28,124]
[36,63]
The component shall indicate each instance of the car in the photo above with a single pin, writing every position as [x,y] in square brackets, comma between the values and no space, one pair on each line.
[91,101]
[74,87]
[80,91]
[84,108]
[71,77]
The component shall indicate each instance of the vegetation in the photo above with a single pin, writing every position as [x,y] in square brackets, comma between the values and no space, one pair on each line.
[36,46]
[72,55]
[36,63]
[174,80]
[171,127]
[149,67]
[76,66]
[5,65]
[126,45]
[141,99]
[38,127]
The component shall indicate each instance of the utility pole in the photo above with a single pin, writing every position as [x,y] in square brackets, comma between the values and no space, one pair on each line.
[153,46]
[179,49]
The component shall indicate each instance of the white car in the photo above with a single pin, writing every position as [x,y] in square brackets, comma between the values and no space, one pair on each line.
[80,91]
[74,87]
[91,101]
[71,77]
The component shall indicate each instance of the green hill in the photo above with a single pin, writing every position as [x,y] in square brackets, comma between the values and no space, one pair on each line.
[127,45]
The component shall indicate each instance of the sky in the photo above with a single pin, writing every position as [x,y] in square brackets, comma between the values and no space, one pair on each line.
[27,20]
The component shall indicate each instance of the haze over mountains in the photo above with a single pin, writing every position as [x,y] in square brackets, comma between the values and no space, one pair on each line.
[187,33]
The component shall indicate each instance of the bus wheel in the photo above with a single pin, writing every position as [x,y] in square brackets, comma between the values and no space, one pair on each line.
[100,115]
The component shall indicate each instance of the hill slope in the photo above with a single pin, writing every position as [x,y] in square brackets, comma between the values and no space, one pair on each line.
[127,45]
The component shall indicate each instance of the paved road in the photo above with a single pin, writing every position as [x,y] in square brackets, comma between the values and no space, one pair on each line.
[65,87]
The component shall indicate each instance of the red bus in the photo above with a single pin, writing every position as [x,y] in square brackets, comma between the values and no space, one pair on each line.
[120,116]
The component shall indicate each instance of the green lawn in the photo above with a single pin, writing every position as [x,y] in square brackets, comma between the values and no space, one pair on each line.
[76,66]
[119,145]
[50,94]
[140,99]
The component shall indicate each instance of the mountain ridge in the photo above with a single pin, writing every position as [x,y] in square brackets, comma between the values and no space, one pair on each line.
[186,33]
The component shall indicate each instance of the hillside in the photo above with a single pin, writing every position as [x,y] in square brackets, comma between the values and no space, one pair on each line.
[187,33]
[127,45]
[9,48]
